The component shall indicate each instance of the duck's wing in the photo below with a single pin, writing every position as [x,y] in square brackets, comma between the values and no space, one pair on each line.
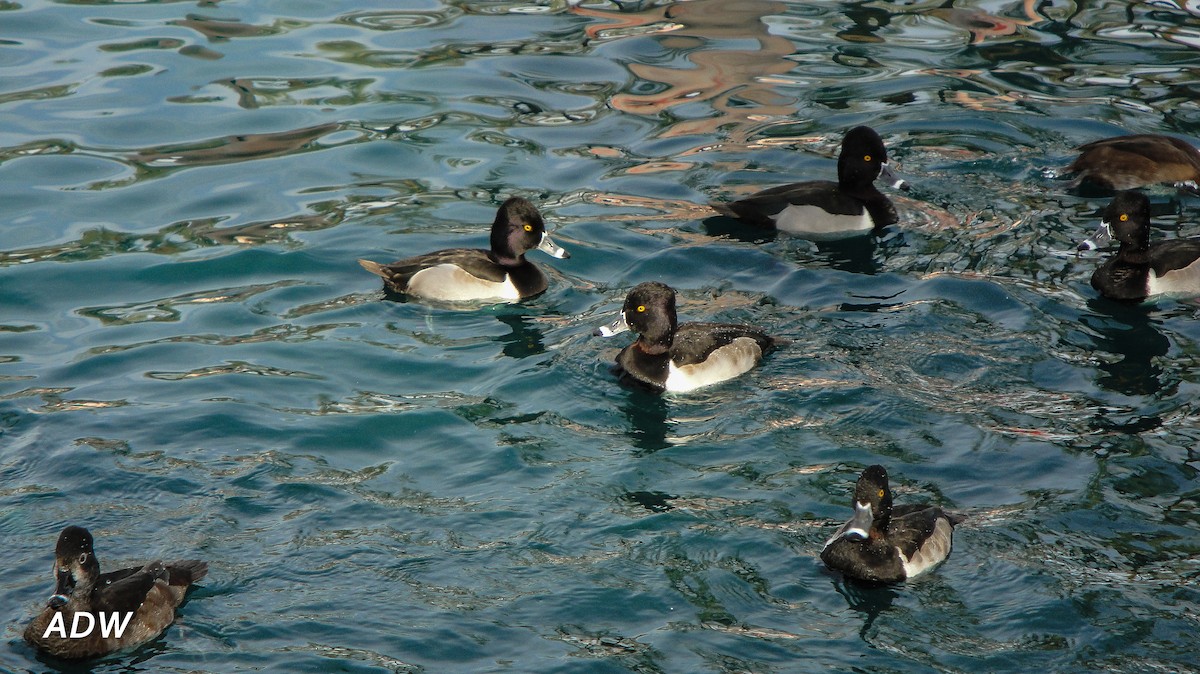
[762,208]
[1126,162]
[1174,254]
[122,591]
[475,261]
[1158,149]
[923,535]
[113,576]
[695,342]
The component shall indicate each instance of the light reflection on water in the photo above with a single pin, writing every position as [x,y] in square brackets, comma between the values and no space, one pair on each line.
[191,362]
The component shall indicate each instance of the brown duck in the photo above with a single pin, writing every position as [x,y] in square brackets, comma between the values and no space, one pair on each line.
[124,608]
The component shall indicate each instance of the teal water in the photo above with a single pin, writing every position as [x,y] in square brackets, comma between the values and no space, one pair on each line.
[192,363]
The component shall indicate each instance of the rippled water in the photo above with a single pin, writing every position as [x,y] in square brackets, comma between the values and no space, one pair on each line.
[192,363]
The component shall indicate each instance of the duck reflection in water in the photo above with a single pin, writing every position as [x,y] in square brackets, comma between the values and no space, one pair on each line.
[868,19]
[855,254]
[1128,331]
[525,340]
[870,600]
[649,428]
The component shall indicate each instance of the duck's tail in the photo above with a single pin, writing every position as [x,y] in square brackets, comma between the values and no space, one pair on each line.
[374,267]
[187,571]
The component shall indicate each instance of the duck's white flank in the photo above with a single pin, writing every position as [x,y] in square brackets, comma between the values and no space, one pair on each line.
[815,221]
[726,362]
[1183,282]
[450,283]
[932,552]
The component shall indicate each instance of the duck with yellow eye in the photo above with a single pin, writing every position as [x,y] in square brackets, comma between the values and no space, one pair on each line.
[500,274]
[886,543]
[668,356]
[821,209]
[1140,269]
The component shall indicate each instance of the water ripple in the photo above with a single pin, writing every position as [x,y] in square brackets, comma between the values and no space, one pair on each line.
[399,20]
[172,308]
[187,189]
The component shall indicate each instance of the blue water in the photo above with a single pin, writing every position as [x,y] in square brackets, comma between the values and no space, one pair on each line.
[192,364]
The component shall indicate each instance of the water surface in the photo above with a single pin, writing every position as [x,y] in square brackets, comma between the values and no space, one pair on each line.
[193,364]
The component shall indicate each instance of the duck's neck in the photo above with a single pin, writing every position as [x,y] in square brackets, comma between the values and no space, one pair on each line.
[1131,254]
[883,519]
[507,260]
[653,348]
[656,338]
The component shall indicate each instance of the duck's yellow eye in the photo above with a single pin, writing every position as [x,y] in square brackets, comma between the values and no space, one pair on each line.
[641,308]
[1124,217]
[867,157]
[880,493]
[528,228]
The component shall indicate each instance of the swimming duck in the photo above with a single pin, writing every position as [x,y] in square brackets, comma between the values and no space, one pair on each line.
[466,274]
[672,357]
[1126,162]
[1141,269]
[824,209]
[883,543]
[150,593]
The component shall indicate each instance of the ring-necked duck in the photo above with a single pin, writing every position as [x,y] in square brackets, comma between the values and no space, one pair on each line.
[474,274]
[150,592]
[883,543]
[1126,162]
[673,357]
[1141,269]
[824,209]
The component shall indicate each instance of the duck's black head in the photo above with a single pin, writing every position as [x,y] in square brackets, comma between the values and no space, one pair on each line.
[650,311]
[872,490]
[862,159]
[1128,219]
[519,227]
[74,560]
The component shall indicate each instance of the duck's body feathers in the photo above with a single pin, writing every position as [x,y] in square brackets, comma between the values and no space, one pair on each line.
[822,209]
[695,342]
[918,539]
[1126,162]
[1140,270]
[700,354]
[884,543]
[817,208]
[500,273]
[460,274]
[140,599]
[673,357]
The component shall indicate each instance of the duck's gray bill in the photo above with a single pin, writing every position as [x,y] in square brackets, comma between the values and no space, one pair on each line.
[546,245]
[860,524]
[1099,238]
[616,327]
[889,177]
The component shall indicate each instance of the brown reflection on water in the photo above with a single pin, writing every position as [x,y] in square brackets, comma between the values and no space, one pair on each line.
[732,80]
[225,29]
[662,209]
[230,149]
[176,238]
